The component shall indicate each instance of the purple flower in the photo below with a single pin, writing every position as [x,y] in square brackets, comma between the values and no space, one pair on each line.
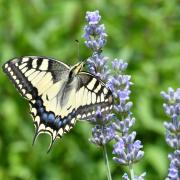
[101,135]
[94,32]
[119,64]
[120,85]
[127,150]
[97,65]
[95,39]
[172,109]
[125,125]
[93,17]
[172,102]
[174,168]
[141,177]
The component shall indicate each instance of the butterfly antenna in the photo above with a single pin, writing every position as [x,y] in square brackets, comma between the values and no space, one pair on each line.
[77,41]
[78,54]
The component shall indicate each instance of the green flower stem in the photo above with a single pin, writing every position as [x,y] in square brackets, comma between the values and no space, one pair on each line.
[131,172]
[107,162]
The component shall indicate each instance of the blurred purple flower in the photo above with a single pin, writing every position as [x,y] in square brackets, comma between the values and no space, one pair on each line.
[174,168]
[172,109]
[141,177]
[93,18]
[172,102]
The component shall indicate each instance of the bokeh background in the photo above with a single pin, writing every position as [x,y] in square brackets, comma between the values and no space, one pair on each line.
[144,33]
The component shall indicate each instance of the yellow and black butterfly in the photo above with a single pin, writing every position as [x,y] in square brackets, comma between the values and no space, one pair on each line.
[57,94]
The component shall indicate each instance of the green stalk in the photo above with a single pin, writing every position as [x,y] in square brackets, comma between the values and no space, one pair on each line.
[131,172]
[107,163]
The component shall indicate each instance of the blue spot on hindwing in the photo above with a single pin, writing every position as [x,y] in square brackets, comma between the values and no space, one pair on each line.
[51,117]
[69,117]
[59,124]
[45,117]
[41,110]
[39,102]
[65,121]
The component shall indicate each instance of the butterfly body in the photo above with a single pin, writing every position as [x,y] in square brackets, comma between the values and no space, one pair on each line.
[57,94]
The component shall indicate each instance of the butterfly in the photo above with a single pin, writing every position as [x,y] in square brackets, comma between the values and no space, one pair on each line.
[58,94]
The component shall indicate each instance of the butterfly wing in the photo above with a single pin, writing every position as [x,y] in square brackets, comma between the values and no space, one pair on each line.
[56,101]
[41,81]
[31,72]
[91,93]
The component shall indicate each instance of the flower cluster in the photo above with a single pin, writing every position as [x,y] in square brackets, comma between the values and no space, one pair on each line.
[97,65]
[95,39]
[94,33]
[174,167]
[127,150]
[172,109]
[120,84]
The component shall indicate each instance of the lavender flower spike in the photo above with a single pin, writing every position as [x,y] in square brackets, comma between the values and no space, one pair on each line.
[95,39]
[172,109]
[94,33]
[174,168]
[127,150]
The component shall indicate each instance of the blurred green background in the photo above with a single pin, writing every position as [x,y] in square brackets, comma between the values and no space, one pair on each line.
[144,33]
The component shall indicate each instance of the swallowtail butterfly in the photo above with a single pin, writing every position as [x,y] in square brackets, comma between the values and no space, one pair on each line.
[58,95]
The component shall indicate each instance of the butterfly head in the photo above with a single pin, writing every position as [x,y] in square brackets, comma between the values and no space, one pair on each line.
[77,68]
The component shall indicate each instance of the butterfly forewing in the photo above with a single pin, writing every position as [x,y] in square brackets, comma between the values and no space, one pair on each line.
[56,101]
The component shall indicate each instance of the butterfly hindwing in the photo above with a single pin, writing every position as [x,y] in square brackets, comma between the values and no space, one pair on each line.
[91,94]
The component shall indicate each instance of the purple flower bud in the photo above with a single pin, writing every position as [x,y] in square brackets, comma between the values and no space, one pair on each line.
[174,165]
[94,33]
[125,125]
[101,135]
[128,151]
[130,138]
[141,177]
[125,176]
[171,108]
[93,18]
[119,65]
[119,161]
